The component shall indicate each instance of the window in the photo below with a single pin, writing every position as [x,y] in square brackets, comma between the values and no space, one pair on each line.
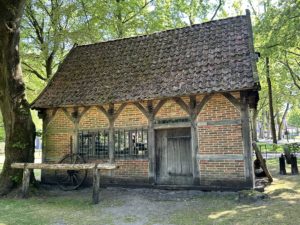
[93,144]
[131,143]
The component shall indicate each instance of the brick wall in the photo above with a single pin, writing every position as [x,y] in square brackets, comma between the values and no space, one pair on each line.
[131,116]
[220,143]
[56,142]
[93,119]
[171,110]
[214,139]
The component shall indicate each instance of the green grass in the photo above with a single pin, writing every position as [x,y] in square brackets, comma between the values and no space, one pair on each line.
[270,147]
[50,207]
[281,208]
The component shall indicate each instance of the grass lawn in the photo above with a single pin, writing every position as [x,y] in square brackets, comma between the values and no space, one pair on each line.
[118,206]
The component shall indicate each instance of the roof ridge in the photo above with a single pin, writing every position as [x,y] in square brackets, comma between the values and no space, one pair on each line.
[158,32]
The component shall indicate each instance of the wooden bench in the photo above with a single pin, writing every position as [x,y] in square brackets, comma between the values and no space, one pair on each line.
[88,166]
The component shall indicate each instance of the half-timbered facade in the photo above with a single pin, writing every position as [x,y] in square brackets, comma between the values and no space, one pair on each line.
[170,108]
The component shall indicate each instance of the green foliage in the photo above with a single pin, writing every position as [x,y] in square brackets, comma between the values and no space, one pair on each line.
[277,36]
[294,118]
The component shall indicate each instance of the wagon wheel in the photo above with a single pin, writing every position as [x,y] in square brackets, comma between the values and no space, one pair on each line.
[70,179]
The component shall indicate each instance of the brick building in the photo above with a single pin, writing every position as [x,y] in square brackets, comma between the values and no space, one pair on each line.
[170,108]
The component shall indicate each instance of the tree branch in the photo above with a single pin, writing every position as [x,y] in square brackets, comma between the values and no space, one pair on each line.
[138,12]
[294,53]
[33,71]
[217,9]
[292,73]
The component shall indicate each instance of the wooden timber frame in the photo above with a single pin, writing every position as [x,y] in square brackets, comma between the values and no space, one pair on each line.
[90,166]
[192,109]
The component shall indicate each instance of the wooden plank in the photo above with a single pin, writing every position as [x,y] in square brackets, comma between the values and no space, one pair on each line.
[96,185]
[53,166]
[262,162]
[220,122]
[171,125]
[25,182]
[107,166]
[218,157]
[85,166]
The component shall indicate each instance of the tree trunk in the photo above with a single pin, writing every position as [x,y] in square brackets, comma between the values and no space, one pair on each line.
[268,124]
[271,109]
[262,127]
[280,124]
[254,124]
[18,125]
[277,117]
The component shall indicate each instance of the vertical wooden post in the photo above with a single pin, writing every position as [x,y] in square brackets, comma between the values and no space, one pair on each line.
[246,135]
[194,141]
[151,144]
[282,170]
[25,182]
[111,133]
[151,150]
[96,185]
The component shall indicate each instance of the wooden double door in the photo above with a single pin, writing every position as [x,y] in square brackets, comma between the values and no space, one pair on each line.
[173,156]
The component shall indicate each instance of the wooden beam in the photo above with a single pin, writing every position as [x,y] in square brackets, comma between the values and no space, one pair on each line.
[246,137]
[158,106]
[262,162]
[120,109]
[233,100]
[48,119]
[182,104]
[61,166]
[150,106]
[142,109]
[111,136]
[102,109]
[201,104]
[25,182]
[194,138]
[70,117]
[83,112]
[96,185]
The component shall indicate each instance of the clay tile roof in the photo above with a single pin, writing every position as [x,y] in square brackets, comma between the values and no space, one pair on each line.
[216,56]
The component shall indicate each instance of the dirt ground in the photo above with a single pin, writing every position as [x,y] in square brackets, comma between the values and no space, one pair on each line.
[120,206]
[137,206]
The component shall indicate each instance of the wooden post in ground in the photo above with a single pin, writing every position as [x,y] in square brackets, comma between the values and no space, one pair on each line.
[282,170]
[96,185]
[25,182]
